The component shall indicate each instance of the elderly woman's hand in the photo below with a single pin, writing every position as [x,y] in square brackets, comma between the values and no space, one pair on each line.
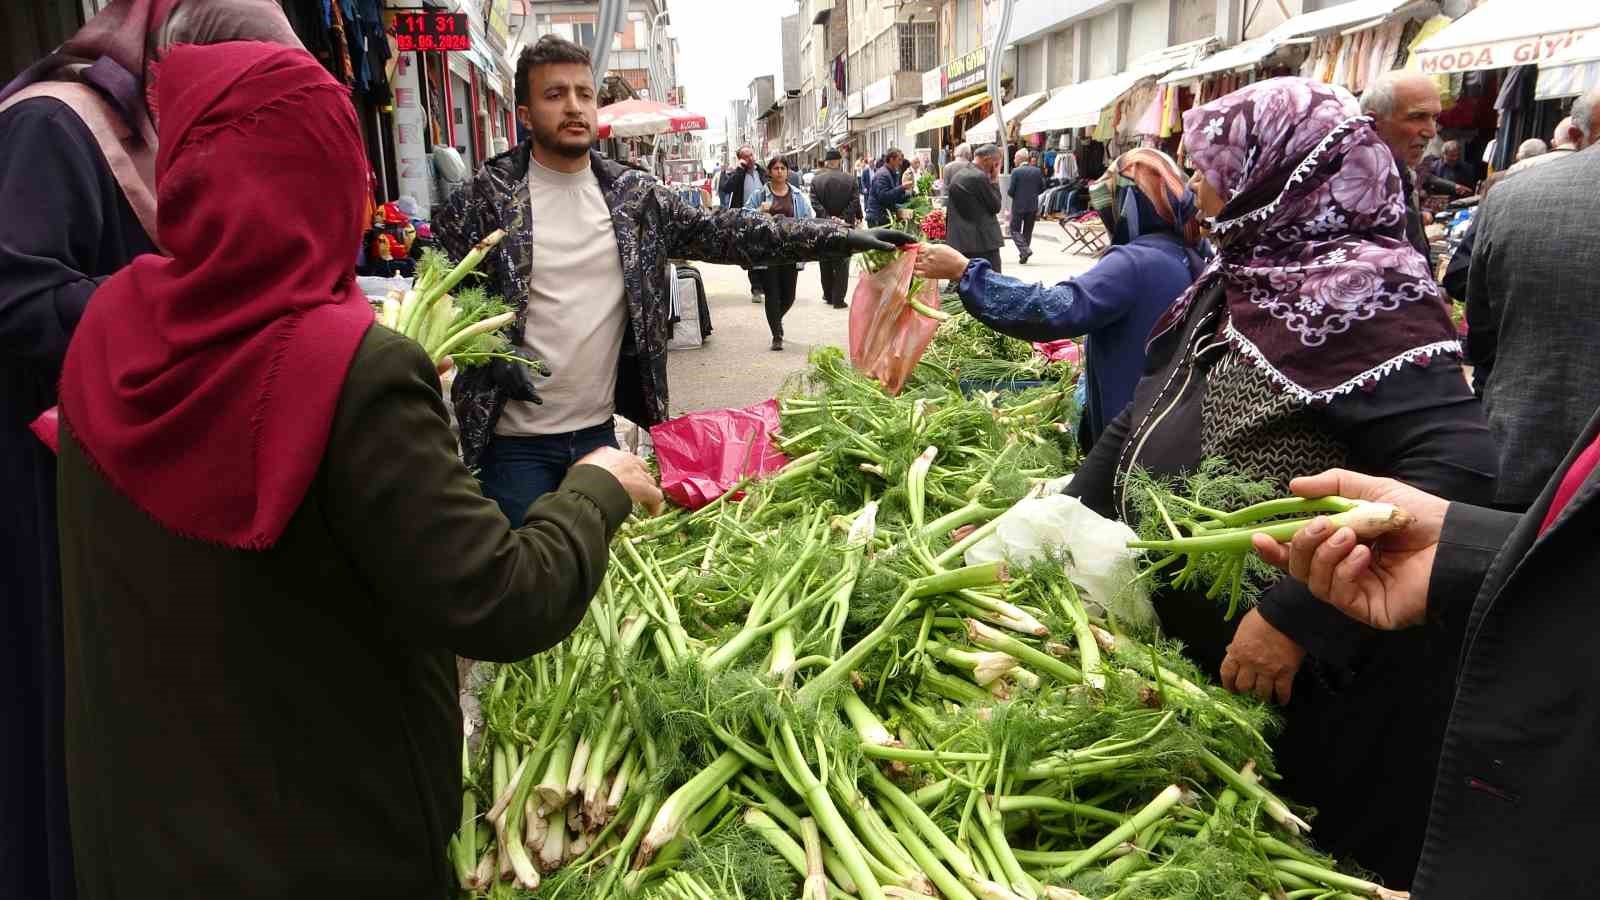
[940,261]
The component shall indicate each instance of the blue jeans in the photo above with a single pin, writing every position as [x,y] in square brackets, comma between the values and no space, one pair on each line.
[515,471]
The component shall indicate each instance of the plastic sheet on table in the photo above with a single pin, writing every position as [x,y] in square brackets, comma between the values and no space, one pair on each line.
[704,454]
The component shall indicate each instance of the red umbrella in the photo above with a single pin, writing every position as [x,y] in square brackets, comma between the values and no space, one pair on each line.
[638,118]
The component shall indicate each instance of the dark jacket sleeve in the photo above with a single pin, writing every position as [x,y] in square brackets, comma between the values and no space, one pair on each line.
[1469,542]
[1420,425]
[55,197]
[441,556]
[1033,312]
[886,189]
[734,236]
[456,228]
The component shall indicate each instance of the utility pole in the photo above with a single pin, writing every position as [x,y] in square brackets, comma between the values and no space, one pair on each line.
[996,56]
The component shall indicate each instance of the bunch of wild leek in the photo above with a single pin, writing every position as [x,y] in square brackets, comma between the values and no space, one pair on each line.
[1206,520]
[806,692]
[465,326]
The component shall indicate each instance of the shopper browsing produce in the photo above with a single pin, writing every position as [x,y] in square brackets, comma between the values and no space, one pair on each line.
[270,550]
[1366,373]
[584,265]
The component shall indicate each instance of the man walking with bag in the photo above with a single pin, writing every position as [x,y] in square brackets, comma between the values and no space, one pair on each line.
[836,196]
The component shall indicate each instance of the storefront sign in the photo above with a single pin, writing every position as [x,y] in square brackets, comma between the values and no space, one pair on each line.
[410,127]
[1502,54]
[853,104]
[933,85]
[431,31]
[878,93]
[964,71]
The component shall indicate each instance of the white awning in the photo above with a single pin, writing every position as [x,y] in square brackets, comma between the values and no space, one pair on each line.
[1504,33]
[985,132]
[1079,105]
[1570,73]
[944,116]
[1239,56]
[1355,15]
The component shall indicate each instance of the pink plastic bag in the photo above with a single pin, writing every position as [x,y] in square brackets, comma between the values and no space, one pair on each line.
[1057,351]
[47,428]
[887,336]
[703,454]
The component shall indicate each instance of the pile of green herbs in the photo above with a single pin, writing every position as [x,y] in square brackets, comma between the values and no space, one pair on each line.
[801,689]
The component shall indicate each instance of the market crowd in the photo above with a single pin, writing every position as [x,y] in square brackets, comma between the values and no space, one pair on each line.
[235,589]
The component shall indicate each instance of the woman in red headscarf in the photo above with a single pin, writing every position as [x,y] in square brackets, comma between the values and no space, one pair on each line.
[77,163]
[270,550]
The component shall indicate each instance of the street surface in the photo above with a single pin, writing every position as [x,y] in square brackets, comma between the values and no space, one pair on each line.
[735,368]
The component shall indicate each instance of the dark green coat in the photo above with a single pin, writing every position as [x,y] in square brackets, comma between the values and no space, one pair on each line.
[285,723]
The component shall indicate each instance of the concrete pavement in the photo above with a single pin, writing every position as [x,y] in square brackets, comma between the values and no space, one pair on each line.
[735,368]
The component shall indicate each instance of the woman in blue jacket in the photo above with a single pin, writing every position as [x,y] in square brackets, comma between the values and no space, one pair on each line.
[1154,257]
[778,198]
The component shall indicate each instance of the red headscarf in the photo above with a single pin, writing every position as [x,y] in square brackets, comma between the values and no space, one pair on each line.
[203,384]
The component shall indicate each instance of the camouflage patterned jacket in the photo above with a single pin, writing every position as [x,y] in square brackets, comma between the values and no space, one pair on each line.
[652,227]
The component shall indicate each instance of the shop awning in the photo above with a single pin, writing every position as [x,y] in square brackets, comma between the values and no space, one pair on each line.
[1079,105]
[1503,33]
[1356,15]
[1571,73]
[1239,56]
[944,116]
[986,132]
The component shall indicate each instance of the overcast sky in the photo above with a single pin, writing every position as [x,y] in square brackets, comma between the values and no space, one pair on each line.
[722,45]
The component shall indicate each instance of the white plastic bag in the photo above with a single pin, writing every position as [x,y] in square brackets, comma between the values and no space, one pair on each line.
[1102,567]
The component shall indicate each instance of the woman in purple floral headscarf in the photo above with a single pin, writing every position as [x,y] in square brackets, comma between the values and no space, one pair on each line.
[1314,339]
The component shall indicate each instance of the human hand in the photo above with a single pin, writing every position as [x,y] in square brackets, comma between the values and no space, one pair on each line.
[1384,585]
[766,207]
[940,261]
[1462,191]
[516,378]
[630,472]
[862,239]
[1261,660]
[905,215]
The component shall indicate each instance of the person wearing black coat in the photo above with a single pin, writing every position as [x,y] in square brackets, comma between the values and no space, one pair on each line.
[734,191]
[886,195]
[1513,799]
[836,195]
[971,221]
[1024,188]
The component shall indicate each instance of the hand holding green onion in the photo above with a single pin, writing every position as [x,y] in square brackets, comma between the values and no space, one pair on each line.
[1378,577]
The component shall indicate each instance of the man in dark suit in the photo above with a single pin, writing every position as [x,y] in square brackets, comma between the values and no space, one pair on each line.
[1532,326]
[970,222]
[1515,592]
[1027,183]
[738,184]
[836,196]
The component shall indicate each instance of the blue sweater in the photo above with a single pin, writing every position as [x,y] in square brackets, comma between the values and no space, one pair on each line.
[1116,304]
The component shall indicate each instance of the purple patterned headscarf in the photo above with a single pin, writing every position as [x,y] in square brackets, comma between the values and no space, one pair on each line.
[1324,292]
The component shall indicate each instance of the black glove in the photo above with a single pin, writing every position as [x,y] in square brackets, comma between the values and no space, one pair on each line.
[515,378]
[860,240]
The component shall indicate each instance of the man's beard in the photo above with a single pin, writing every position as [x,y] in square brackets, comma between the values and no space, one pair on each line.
[554,140]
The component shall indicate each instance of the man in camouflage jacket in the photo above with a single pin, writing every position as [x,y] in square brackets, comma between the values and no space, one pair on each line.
[651,225]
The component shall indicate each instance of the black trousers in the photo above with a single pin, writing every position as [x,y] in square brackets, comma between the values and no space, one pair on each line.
[835,280]
[1022,233]
[780,281]
[758,280]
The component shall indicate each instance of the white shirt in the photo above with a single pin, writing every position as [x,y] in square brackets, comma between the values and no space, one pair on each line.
[577,306]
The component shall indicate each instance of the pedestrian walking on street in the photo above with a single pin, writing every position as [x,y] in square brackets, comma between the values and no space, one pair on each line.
[961,160]
[972,219]
[77,155]
[780,200]
[887,194]
[1024,188]
[584,265]
[837,196]
[267,534]
[738,185]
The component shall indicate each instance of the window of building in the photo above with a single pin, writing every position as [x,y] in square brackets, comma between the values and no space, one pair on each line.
[966,25]
[586,34]
[919,46]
